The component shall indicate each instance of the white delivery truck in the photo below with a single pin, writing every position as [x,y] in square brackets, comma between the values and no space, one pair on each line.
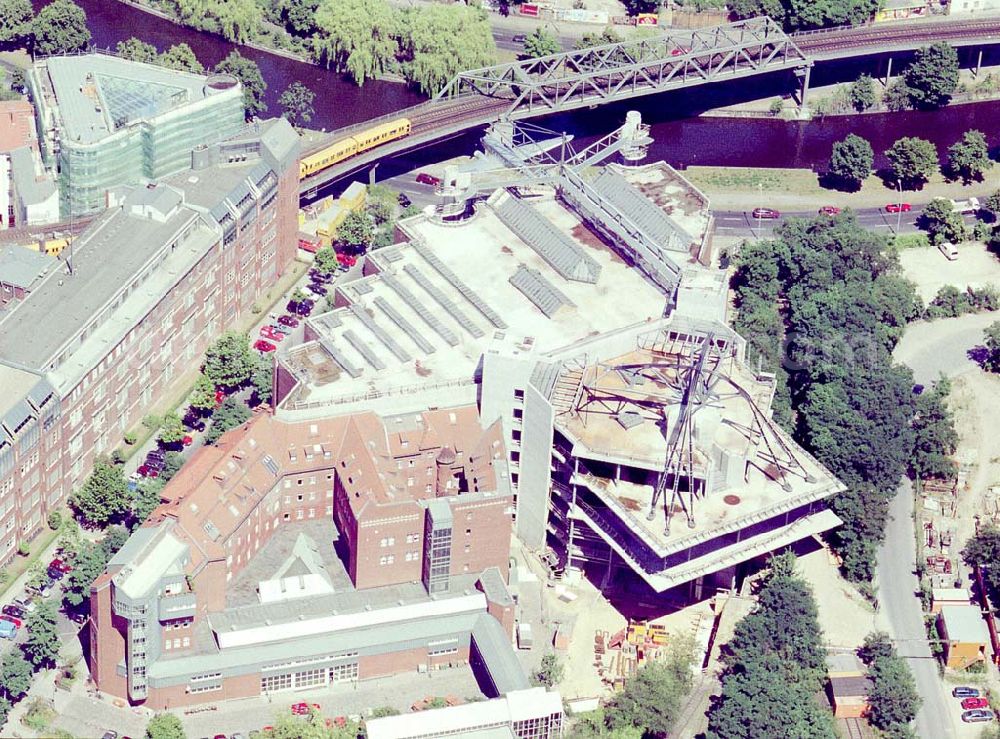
[966,206]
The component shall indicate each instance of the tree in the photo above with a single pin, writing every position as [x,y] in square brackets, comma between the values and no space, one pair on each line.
[181,57]
[248,73]
[851,160]
[114,539]
[146,500]
[652,699]
[607,36]
[230,414]
[15,675]
[983,551]
[991,204]
[540,43]
[103,497]
[876,645]
[15,21]
[862,93]
[932,77]
[898,96]
[992,335]
[37,575]
[137,51]
[262,379]
[54,520]
[325,261]
[912,161]
[172,463]
[356,36]
[942,222]
[774,664]
[228,362]
[311,726]
[60,27]
[235,20]
[165,726]
[969,157]
[297,104]
[87,567]
[203,395]
[300,16]
[356,232]
[42,645]
[893,696]
[437,41]
[172,431]
[550,671]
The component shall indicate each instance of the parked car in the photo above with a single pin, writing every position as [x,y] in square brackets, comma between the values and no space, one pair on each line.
[60,565]
[965,692]
[110,734]
[898,208]
[318,289]
[269,333]
[518,38]
[264,346]
[7,630]
[187,441]
[324,277]
[220,395]
[977,716]
[147,471]
[194,423]
[829,210]
[918,389]
[26,604]
[428,179]
[304,308]
[403,200]
[12,610]
[680,50]
[17,622]
[77,617]
[288,321]
[283,330]
[302,708]
[154,463]
[970,703]
[42,591]
[55,574]
[765,213]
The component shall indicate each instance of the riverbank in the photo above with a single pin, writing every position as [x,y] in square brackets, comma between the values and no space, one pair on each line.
[743,188]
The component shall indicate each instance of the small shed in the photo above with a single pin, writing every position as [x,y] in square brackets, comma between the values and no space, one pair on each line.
[941,597]
[849,695]
[964,635]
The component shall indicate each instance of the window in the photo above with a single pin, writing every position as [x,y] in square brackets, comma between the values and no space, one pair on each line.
[343,673]
[274,683]
[211,687]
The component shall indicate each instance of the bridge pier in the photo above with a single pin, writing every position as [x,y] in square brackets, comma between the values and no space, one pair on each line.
[803,73]
[888,72]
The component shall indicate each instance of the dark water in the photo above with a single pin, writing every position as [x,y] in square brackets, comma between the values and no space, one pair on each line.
[339,102]
[682,138]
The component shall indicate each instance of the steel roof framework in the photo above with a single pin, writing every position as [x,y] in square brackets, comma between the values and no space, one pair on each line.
[637,67]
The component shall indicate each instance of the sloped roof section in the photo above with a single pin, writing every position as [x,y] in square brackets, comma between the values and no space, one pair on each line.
[652,220]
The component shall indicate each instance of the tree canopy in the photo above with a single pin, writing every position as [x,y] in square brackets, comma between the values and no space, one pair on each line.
[540,43]
[235,20]
[774,665]
[137,50]
[297,104]
[15,675]
[934,436]
[356,232]
[438,41]
[41,648]
[203,394]
[357,37]
[229,415]
[165,726]
[942,222]
[806,14]
[262,379]
[969,157]
[893,696]
[248,73]
[60,27]
[104,497]
[172,430]
[87,567]
[15,21]
[912,161]
[992,343]
[932,77]
[608,36]
[983,550]
[862,93]
[181,57]
[228,362]
[851,160]
[326,261]
[652,699]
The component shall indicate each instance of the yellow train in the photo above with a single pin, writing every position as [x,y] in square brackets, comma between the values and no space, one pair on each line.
[346,148]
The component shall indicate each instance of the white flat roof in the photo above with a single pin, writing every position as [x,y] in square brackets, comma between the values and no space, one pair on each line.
[515,706]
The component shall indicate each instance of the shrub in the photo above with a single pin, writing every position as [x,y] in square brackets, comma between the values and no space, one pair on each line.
[130,437]
[55,520]
[24,549]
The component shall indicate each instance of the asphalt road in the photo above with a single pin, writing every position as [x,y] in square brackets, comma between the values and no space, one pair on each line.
[742,223]
[897,591]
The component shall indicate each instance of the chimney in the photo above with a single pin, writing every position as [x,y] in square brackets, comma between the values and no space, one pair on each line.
[444,460]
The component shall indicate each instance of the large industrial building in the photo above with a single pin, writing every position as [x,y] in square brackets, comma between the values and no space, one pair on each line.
[90,341]
[234,588]
[106,122]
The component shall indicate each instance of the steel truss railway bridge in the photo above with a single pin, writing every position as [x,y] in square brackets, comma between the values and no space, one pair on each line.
[674,59]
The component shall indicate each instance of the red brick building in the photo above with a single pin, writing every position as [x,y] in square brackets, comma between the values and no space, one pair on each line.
[130,308]
[196,601]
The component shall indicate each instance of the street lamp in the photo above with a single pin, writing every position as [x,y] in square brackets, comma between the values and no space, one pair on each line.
[899,206]
[760,199]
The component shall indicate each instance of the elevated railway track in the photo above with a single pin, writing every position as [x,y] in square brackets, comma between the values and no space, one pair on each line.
[621,71]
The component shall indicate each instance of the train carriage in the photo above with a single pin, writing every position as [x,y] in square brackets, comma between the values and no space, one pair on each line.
[350,146]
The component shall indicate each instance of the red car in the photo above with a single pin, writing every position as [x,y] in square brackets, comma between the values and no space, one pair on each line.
[765,213]
[264,346]
[288,321]
[829,210]
[970,703]
[300,709]
[679,50]
[428,179]
[147,471]
[17,623]
[269,333]
[898,208]
[187,441]
[58,564]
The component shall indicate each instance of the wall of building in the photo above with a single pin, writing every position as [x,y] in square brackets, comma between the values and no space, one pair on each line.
[534,473]
[480,536]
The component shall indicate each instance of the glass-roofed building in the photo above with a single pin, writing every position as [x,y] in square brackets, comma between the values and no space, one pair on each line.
[106,122]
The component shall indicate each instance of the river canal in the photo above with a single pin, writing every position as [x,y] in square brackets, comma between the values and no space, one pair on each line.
[682,138]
